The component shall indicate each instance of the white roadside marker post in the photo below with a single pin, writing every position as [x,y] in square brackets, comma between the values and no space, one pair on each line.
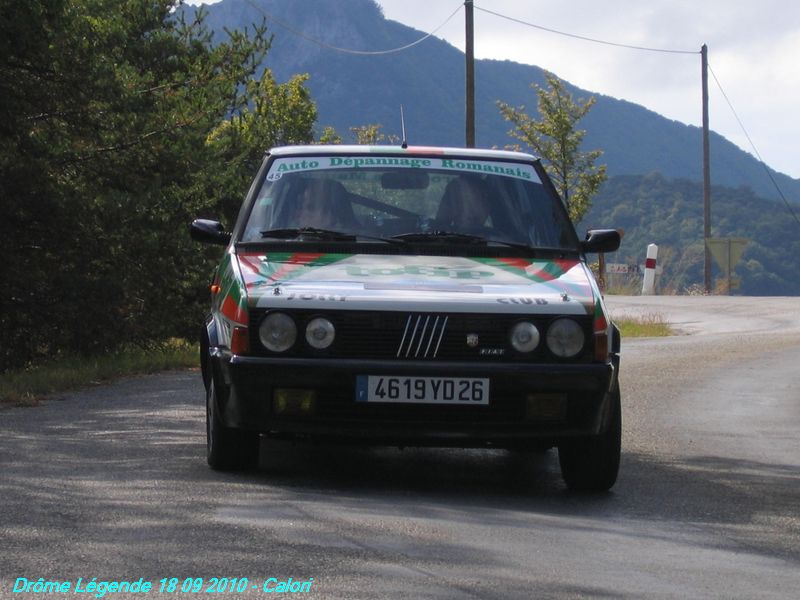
[649,282]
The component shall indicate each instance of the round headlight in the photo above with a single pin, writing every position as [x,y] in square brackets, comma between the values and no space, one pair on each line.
[565,338]
[524,337]
[277,332]
[320,333]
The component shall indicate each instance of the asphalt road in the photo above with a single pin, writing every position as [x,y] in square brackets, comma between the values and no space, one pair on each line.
[111,483]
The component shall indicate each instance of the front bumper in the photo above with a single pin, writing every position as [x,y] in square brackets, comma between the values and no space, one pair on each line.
[529,403]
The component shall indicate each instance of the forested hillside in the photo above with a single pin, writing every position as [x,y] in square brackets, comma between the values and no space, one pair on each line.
[669,213]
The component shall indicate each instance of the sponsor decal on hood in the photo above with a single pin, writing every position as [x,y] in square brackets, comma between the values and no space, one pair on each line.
[424,283]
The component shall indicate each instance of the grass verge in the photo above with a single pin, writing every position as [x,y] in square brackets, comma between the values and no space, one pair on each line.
[26,387]
[650,325]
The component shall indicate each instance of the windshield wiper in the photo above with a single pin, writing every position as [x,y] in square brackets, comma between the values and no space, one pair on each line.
[314,233]
[444,236]
[374,238]
[463,238]
[308,232]
[325,234]
[516,245]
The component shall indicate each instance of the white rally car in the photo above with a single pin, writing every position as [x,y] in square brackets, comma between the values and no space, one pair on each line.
[410,296]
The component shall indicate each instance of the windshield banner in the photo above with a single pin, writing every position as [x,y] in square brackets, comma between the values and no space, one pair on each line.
[282,166]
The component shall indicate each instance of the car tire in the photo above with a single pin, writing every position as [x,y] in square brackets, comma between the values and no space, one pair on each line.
[591,464]
[227,449]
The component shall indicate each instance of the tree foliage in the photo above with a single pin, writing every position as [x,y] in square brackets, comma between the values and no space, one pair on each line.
[555,139]
[329,135]
[371,135]
[106,111]
[279,115]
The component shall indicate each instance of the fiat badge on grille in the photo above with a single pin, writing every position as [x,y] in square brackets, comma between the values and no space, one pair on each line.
[472,340]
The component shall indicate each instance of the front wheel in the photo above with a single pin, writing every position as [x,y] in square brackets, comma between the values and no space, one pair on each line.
[227,449]
[592,463]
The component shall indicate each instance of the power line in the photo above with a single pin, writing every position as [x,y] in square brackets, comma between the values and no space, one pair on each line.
[668,51]
[753,146]
[584,38]
[350,50]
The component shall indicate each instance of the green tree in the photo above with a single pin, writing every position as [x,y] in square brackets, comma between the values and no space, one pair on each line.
[555,139]
[105,107]
[278,115]
[281,114]
[371,134]
[330,136]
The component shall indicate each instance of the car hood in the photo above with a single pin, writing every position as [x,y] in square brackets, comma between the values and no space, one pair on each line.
[424,283]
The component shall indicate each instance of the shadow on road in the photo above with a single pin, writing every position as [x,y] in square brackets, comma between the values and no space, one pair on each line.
[707,491]
[130,478]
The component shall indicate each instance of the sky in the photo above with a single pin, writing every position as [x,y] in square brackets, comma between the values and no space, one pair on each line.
[753,50]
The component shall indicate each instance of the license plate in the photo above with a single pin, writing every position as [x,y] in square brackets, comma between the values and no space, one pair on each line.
[422,390]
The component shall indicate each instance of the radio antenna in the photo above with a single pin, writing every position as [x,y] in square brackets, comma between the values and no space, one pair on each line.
[404,143]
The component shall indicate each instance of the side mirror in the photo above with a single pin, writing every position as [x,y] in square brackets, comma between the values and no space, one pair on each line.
[209,232]
[601,240]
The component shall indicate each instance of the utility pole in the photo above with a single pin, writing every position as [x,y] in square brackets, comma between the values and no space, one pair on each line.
[706,174]
[470,76]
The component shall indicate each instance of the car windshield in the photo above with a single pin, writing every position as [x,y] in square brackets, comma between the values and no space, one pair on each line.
[407,198]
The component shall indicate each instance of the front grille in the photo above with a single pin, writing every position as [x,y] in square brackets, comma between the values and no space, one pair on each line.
[373,335]
[422,336]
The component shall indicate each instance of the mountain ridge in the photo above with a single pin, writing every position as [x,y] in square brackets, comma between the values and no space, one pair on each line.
[353,89]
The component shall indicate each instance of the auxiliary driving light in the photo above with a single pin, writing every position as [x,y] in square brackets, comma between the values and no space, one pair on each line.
[546,407]
[294,402]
